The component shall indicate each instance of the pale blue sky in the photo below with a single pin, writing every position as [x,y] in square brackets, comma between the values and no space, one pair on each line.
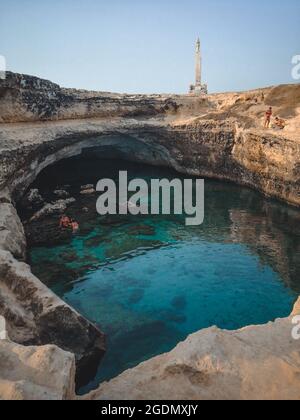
[148,45]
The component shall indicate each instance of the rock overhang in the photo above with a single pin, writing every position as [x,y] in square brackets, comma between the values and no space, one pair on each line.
[157,131]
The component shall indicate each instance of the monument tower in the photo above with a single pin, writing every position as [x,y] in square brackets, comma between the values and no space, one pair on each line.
[198,88]
[198,63]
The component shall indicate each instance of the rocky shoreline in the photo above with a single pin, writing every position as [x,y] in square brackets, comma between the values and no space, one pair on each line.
[254,363]
[219,137]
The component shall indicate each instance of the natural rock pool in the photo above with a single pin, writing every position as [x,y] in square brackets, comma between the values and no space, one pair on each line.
[148,282]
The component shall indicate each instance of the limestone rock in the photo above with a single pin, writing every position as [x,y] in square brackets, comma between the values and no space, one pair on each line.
[87,187]
[259,362]
[219,136]
[87,191]
[36,373]
[296,310]
[62,194]
[36,316]
[12,237]
[28,98]
[59,207]
[33,200]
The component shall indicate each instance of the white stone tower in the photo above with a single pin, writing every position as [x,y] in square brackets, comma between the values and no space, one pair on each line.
[198,88]
[198,64]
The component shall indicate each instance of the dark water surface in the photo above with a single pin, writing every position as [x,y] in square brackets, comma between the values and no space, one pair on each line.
[149,282]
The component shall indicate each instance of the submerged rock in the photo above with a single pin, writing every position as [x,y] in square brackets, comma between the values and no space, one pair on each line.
[45,232]
[87,187]
[179,302]
[144,230]
[94,241]
[88,192]
[62,194]
[136,296]
[173,316]
[33,200]
[249,364]
[70,256]
[59,207]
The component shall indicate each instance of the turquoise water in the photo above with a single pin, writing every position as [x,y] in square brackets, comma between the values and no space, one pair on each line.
[149,282]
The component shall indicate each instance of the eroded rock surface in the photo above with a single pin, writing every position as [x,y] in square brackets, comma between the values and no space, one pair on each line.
[59,207]
[259,362]
[35,373]
[33,200]
[219,136]
[27,98]
[12,236]
[36,316]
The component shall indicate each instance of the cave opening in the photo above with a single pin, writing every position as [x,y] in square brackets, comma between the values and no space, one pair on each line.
[147,282]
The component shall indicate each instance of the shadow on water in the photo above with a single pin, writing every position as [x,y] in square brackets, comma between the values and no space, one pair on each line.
[148,282]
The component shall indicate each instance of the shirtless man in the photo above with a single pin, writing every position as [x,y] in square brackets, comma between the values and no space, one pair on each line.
[279,123]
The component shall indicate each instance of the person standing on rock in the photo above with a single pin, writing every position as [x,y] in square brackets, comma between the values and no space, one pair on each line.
[269,114]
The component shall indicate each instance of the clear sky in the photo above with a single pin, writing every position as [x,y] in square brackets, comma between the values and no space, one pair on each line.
[148,45]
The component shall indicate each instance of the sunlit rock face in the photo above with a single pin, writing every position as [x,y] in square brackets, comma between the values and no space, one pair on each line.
[27,98]
[250,364]
[150,281]
[220,136]
[35,373]
[262,160]
[36,316]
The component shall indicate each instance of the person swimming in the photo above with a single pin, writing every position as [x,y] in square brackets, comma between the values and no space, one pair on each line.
[74,226]
[68,223]
[64,222]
